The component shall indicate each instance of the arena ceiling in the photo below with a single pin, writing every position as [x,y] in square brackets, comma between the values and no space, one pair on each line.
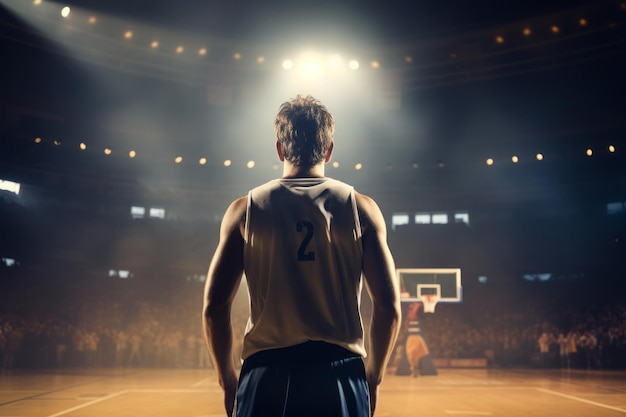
[458,82]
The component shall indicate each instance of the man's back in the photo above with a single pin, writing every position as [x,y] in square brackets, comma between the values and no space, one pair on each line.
[302,261]
[303,242]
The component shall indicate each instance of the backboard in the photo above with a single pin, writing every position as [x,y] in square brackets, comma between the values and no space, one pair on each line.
[417,282]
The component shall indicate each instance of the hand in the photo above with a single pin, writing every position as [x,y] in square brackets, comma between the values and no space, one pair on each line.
[373,388]
[230,390]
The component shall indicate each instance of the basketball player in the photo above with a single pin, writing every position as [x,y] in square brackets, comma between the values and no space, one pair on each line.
[303,242]
[415,347]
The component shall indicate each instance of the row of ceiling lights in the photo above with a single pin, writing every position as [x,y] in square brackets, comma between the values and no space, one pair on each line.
[250,164]
[287,64]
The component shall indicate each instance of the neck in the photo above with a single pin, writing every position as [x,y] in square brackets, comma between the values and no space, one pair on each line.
[294,171]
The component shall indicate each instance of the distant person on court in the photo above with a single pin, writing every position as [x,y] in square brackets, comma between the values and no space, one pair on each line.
[303,242]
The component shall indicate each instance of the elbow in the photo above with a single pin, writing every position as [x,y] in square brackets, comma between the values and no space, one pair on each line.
[212,311]
[389,312]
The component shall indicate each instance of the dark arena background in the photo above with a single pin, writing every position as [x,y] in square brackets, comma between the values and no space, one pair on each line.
[492,135]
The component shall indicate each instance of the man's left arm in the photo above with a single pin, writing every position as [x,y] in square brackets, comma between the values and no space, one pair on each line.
[222,283]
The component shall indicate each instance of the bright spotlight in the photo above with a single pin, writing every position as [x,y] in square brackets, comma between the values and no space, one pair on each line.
[128,34]
[228,163]
[132,154]
[335,62]
[353,64]
[107,151]
[310,68]
[335,164]
[178,159]
[611,148]
[10,186]
[36,2]
[287,64]
[38,140]
[82,146]
[180,49]
[589,152]
[154,44]
[202,51]
[489,161]
[539,157]
[250,164]
[92,20]
[202,161]
[358,166]
[515,159]
[65,12]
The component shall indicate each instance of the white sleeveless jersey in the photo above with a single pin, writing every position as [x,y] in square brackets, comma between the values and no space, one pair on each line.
[302,261]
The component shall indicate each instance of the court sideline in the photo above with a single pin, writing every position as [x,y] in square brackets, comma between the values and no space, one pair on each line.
[195,393]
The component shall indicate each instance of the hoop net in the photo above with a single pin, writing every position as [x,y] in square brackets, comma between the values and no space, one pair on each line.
[430,301]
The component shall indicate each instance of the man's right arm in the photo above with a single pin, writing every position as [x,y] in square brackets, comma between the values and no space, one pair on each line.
[223,279]
[382,285]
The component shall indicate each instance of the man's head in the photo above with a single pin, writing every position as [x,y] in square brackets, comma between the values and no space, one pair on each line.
[304,130]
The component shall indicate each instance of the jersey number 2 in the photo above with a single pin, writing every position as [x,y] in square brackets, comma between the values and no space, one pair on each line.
[303,255]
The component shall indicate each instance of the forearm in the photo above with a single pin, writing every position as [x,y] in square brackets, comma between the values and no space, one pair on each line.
[383,334]
[218,334]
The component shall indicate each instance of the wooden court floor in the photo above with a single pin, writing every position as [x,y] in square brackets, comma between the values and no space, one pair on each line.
[194,393]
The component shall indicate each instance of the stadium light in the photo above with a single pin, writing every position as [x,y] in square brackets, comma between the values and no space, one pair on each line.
[10,186]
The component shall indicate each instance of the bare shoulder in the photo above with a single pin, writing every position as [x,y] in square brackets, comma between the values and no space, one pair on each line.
[235,215]
[238,206]
[369,213]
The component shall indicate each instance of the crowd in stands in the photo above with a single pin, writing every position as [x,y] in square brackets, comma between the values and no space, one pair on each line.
[595,339]
[113,324]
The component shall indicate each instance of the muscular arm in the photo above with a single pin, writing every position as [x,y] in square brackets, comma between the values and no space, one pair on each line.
[222,282]
[382,285]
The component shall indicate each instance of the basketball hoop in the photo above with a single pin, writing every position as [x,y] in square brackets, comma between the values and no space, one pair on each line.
[430,301]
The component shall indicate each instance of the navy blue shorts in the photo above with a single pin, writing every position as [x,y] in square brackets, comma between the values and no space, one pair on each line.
[314,379]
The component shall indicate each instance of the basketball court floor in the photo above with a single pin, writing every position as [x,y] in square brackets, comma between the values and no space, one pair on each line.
[195,393]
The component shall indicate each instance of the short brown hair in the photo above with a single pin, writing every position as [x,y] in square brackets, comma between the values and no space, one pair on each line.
[305,129]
